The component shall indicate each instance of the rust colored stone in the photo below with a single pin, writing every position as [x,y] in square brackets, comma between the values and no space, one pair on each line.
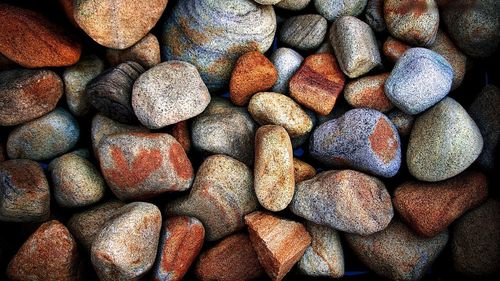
[302,170]
[383,141]
[416,7]
[180,132]
[393,49]
[368,92]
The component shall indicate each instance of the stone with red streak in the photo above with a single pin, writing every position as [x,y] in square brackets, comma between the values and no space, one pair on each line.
[393,49]
[368,92]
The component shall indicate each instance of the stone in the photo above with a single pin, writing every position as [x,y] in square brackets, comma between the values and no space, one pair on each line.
[25,195]
[169,93]
[76,181]
[50,253]
[181,132]
[332,10]
[180,243]
[445,47]
[302,170]
[126,246]
[355,46]
[368,92]
[279,243]
[393,49]
[144,165]
[429,208]
[267,2]
[325,256]
[419,80]
[44,138]
[27,94]
[111,92]
[363,139]
[233,258]
[402,121]
[31,40]
[287,62]
[146,52]
[444,141]
[396,253]
[374,15]
[212,35]
[76,79]
[117,25]
[222,194]
[293,5]
[274,180]
[317,83]
[252,73]
[303,32]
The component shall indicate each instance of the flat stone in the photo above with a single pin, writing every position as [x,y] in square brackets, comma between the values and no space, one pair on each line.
[180,131]
[146,52]
[302,170]
[287,62]
[303,32]
[368,92]
[332,10]
[293,5]
[393,49]
[402,121]
[445,47]
[374,15]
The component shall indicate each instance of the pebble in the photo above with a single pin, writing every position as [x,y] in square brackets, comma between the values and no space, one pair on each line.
[364,139]
[419,80]
[31,40]
[25,195]
[302,170]
[279,243]
[110,92]
[252,73]
[346,200]
[231,259]
[267,2]
[393,49]
[445,47]
[396,253]
[355,46]
[293,5]
[368,92]
[44,138]
[117,25]
[332,10]
[303,32]
[27,94]
[146,52]
[274,181]
[212,35]
[182,133]
[180,243]
[374,15]
[325,47]
[144,165]
[169,93]
[429,208]
[126,246]
[286,61]
[317,83]
[50,253]
[402,121]
[444,141]
[222,194]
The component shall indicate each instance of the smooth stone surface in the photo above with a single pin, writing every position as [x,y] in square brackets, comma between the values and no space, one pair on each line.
[302,170]
[444,141]
[374,15]
[286,61]
[293,5]
[393,49]
[304,32]
[169,93]
[146,52]
[420,79]
[332,10]
[345,200]
[44,138]
[368,92]
[402,121]
[445,47]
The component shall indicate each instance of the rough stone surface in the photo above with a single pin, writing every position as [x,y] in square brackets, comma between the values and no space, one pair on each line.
[302,170]
[374,15]
[402,121]
[182,133]
[145,52]
[368,92]
[303,32]
[393,49]
[445,47]
[287,62]
[332,10]
[293,5]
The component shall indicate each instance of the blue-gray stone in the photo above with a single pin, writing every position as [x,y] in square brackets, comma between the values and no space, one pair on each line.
[287,62]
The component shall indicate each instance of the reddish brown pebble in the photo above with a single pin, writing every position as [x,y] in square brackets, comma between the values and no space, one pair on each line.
[430,207]
[253,73]
[279,243]
[181,133]
[231,259]
[368,92]
[302,170]
[393,49]
[317,83]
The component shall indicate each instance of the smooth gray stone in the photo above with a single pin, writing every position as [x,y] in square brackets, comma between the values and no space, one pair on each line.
[293,5]
[332,10]
[287,62]
[304,32]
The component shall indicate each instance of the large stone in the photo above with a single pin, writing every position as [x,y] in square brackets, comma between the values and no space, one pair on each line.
[304,32]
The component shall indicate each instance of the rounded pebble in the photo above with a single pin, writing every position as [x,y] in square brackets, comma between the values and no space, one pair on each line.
[293,5]
[304,32]
[332,10]
[368,92]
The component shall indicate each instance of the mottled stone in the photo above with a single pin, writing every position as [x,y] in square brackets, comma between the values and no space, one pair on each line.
[368,92]
[444,141]
[293,5]
[145,52]
[332,10]
[181,132]
[393,49]
[402,121]
[287,62]
[222,194]
[27,94]
[302,170]
[445,47]
[374,15]
[304,32]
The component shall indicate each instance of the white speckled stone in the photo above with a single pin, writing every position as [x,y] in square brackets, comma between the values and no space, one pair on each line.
[332,10]
[287,62]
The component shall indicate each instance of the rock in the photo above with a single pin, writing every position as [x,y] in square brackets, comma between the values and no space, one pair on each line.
[181,132]
[355,46]
[325,47]
[76,79]
[420,79]
[364,139]
[126,246]
[302,170]
[144,165]
[445,47]
[146,52]
[252,73]
[475,240]
[27,94]
[317,83]
[267,2]
[402,121]
[444,141]
[25,195]
[374,15]
[429,208]
[279,243]
[76,181]
[212,35]
[31,40]
[396,253]
[222,194]
[332,10]
[368,92]
[325,256]
[233,258]
[117,25]
[111,92]
[393,49]
[44,138]
[50,253]
[180,243]
[303,32]
[287,62]
[273,173]
[169,93]
[293,5]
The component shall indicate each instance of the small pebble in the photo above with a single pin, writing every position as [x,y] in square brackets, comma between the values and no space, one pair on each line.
[445,47]
[303,32]
[182,133]
[146,52]
[374,15]
[402,121]
[302,170]
[293,5]
[287,62]
[332,10]
[368,92]
[393,49]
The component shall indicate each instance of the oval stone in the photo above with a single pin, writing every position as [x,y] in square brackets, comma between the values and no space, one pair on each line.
[304,32]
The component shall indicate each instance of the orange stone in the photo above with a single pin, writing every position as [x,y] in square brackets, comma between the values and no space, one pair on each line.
[180,132]
[368,92]
[383,141]
[302,170]
[393,49]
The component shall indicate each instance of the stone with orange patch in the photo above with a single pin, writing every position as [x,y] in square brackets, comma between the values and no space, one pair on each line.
[393,49]
[383,141]
[181,133]
[302,170]
[368,92]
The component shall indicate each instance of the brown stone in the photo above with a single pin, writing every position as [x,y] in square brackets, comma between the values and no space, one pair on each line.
[393,49]
[181,133]
[302,170]
[145,52]
[368,92]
